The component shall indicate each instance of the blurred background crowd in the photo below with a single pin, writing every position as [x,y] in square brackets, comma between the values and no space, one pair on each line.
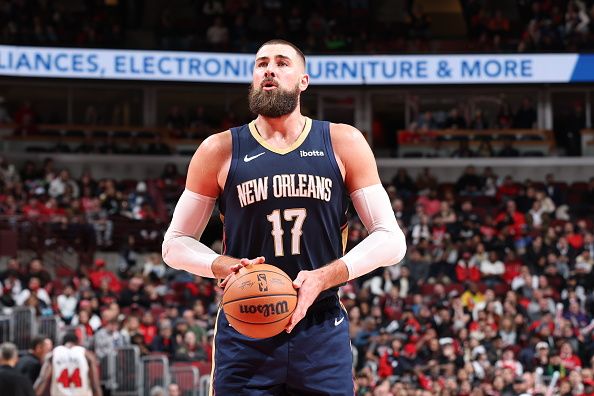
[495,293]
[360,26]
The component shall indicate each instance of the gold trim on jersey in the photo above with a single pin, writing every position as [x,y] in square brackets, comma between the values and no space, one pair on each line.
[345,237]
[212,370]
[283,151]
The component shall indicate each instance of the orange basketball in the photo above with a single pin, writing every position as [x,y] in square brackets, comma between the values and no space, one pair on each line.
[259,302]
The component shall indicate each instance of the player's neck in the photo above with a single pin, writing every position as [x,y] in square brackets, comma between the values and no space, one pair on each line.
[289,126]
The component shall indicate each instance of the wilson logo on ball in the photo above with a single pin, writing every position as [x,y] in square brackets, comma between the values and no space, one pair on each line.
[281,307]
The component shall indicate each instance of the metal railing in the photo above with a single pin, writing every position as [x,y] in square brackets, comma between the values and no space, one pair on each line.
[204,385]
[155,372]
[23,326]
[128,373]
[5,329]
[107,377]
[187,378]
[49,326]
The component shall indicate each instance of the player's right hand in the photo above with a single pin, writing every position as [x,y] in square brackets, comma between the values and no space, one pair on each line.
[244,262]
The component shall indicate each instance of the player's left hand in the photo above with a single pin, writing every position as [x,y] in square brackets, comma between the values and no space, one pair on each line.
[244,262]
[309,286]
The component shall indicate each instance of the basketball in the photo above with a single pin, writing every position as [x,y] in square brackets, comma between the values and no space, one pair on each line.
[259,302]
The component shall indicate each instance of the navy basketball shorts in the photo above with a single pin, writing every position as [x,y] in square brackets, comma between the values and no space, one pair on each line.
[315,359]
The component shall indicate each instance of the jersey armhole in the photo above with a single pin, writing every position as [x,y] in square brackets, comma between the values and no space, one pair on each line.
[232,166]
[331,155]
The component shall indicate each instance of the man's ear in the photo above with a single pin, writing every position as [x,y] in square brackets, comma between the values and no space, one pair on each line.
[304,82]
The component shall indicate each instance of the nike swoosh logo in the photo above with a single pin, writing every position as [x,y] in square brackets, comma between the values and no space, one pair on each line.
[338,321]
[248,159]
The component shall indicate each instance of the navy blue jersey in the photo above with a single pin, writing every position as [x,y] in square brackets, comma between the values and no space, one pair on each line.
[287,205]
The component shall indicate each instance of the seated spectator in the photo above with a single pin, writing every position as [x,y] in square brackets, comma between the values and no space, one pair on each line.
[492,270]
[130,328]
[217,35]
[8,173]
[147,327]
[34,288]
[467,270]
[504,118]
[508,149]
[158,147]
[189,349]
[455,120]
[424,123]
[154,267]
[175,122]
[479,121]
[421,230]
[430,203]
[26,119]
[404,184]
[525,117]
[485,149]
[108,338]
[463,150]
[469,183]
[568,359]
[498,24]
[164,340]
[105,294]
[35,269]
[99,273]
[134,293]
[472,295]
[67,302]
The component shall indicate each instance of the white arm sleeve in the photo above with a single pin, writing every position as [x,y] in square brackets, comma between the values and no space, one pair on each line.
[386,244]
[182,248]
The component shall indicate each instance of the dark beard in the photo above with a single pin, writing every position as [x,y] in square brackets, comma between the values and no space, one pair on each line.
[273,104]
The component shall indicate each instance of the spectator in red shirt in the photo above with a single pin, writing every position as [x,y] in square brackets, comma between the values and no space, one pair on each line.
[575,239]
[515,220]
[498,24]
[430,203]
[97,275]
[568,359]
[466,270]
[513,266]
[34,209]
[508,189]
[147,327]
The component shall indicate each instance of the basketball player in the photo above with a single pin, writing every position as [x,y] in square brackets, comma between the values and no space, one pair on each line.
[282,183]
[70,370]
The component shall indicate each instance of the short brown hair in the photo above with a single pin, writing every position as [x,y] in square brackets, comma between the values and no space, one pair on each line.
[285,42]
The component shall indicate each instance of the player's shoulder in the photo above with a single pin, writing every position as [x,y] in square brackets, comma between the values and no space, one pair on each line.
[215,148]
[345,134]
[347,140]
[216,143]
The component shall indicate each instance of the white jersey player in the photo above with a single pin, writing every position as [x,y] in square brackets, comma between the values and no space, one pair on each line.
[70,370]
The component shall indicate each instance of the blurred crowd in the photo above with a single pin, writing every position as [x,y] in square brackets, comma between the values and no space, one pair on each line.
[538,26]
[360,26]
[473,116]
[49,207]
[495,296]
